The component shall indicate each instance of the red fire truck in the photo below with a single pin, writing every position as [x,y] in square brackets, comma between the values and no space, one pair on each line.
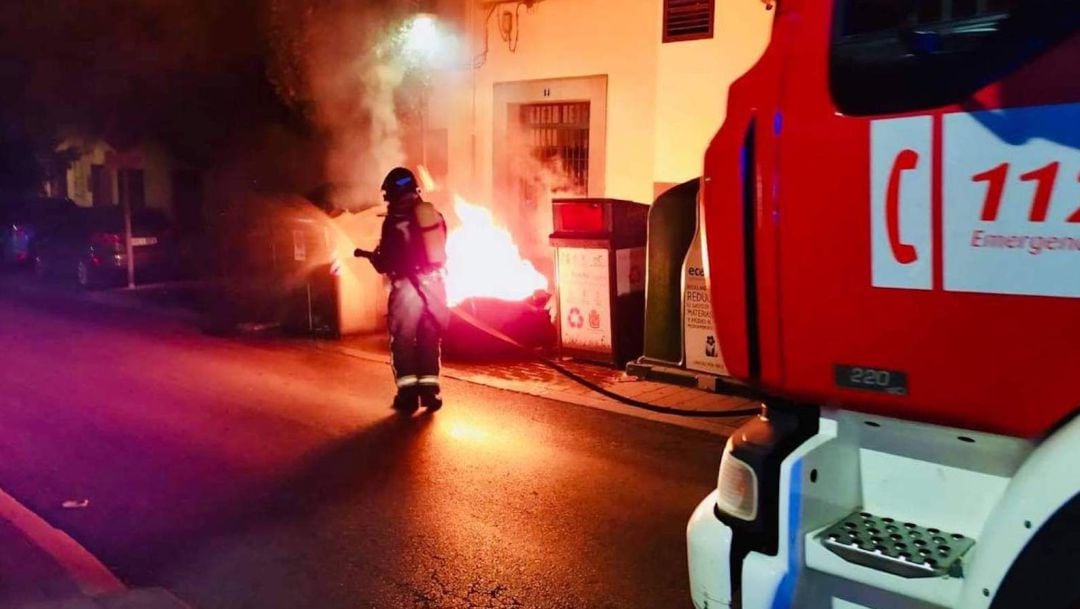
[892,226]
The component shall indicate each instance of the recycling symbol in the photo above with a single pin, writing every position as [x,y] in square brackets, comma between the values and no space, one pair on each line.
[575,318]
[594,319]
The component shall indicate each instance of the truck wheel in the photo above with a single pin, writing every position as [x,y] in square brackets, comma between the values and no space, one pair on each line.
[1044,575]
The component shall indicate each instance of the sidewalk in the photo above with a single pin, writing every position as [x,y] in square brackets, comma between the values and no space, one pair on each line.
[42,568]
[183,300]
[536,379]
[180,300]
[146,598]
[27,574]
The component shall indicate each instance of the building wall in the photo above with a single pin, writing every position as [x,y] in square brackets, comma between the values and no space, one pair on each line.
[79,189]
[692,83]
[664,101]
[152,160]
[560,39]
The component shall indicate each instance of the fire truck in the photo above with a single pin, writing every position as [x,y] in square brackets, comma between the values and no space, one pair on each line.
[892,232]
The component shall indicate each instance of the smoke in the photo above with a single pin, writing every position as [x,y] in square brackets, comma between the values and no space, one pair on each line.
[354,104]
[336,61]
[524,201]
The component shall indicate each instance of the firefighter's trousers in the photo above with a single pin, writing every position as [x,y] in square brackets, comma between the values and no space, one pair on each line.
[418,315]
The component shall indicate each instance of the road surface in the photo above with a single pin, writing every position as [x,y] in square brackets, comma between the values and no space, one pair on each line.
[269,474]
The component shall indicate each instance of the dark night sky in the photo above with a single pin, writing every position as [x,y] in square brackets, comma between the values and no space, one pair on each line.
[187,73]
[197,76]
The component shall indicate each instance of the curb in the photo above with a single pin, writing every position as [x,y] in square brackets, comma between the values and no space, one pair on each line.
[101,589]
[91,576]
[142,598]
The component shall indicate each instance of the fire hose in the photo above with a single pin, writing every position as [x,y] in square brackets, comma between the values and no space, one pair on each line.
[596,387]
[734,390]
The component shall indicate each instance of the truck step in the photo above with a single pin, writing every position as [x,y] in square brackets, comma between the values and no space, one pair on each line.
[902,548]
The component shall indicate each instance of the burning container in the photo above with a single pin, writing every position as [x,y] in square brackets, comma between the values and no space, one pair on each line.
[600,273]
[488,280]
[526,322]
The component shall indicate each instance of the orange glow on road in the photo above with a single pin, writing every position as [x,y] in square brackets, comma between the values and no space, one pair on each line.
[482,259]
[460,430]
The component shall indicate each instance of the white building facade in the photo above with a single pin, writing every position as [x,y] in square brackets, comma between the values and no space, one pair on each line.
[607,98]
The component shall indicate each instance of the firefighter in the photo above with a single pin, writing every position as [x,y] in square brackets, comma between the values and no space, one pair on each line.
[412,253]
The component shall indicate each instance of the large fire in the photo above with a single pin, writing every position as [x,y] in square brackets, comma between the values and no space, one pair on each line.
[482,259]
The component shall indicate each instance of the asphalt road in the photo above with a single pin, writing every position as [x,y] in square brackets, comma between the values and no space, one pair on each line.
[268,474]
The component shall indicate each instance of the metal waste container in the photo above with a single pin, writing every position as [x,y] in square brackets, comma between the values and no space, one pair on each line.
[276,271]
[304,253]
[600,278]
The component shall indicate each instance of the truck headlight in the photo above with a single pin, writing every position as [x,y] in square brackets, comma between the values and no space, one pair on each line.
[737,487]
[748,486]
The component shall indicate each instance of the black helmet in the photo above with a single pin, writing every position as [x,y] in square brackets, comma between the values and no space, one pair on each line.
[398,182]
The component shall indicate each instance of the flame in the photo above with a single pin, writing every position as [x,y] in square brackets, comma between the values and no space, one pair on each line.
[483,261]
[427,183]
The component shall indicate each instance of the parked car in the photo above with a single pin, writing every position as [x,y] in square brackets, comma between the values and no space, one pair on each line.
[90,248]
[22,219]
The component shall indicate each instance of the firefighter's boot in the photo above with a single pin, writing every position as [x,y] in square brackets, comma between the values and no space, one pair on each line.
[405,402]
[430,398]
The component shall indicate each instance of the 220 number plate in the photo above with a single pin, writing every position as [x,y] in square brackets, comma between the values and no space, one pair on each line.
[892,382]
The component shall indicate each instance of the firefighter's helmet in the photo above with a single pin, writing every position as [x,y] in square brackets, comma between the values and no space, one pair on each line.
[398,182]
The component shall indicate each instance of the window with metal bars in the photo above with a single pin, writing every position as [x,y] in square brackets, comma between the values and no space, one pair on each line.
[557,135]
[688,19]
